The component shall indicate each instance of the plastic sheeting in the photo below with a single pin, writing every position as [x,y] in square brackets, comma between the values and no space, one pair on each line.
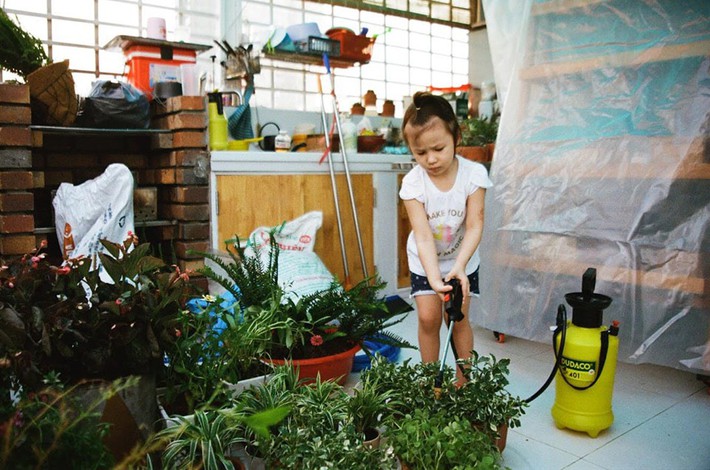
[602,160]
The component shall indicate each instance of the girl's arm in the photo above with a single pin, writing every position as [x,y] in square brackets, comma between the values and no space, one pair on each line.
[471,238]
[426,248]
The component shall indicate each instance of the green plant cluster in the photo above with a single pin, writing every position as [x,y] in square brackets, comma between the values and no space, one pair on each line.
[323,323]
[479,131]
[419,415]
[67,319]
[20,52]
[57,427]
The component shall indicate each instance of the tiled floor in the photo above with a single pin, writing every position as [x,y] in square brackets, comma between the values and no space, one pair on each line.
[661,415]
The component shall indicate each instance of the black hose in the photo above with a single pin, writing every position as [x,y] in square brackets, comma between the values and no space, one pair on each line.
[561,328]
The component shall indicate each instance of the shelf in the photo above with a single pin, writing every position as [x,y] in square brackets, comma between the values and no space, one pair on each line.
[56,130]
[309,59]
[623,59]
[137,224]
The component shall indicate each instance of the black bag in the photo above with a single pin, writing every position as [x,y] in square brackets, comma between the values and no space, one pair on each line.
[115,105]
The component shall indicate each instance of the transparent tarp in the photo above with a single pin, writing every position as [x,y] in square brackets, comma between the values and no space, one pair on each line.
[602,160]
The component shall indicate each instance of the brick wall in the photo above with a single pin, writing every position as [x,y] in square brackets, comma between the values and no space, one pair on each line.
[16,177]
[34,163]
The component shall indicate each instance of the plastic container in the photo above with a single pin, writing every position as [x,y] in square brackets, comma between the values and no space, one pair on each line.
[352,46]
[349,136]
[148,65]
[282,143]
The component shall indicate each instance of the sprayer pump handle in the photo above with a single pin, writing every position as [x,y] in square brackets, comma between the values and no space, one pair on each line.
[589,281]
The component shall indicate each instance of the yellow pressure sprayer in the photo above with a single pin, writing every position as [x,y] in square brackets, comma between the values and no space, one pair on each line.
[585,362]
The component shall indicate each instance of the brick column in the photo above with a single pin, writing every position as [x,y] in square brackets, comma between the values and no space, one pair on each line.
[16,177]
[182,177]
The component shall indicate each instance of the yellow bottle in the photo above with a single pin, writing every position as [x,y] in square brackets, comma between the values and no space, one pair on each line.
[217,123]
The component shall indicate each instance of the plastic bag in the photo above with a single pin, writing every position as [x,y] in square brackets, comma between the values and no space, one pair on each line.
[115,105]
[97,209]
[295,235]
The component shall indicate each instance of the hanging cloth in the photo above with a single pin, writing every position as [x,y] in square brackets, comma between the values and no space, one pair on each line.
[239,122]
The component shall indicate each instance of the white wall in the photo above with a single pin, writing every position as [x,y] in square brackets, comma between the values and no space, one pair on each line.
[480,64]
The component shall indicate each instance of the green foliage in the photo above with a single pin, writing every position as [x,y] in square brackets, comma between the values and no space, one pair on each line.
[20,52]
[204,360]
[320,430]
[325,322]
[54,428]
[67,319]
[206,439]
[429,440]
[483,399]
[479,131]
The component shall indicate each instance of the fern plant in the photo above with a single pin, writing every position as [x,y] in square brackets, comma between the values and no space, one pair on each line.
[20,52]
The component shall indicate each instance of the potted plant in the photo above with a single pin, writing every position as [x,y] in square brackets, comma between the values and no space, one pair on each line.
[208,439]
[213,355]
[367,406]
[478,137]
[51,84]
[320,430]
[314,330]
[427,439]
[482,399]
[67,320]
[56,427]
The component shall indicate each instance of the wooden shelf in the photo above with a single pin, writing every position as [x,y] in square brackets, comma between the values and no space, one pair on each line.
[137,223]
[57,130]
[622,59]
[310,59]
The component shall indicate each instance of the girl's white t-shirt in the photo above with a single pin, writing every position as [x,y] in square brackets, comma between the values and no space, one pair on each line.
[445,211]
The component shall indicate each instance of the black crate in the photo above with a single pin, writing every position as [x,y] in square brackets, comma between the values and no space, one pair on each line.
[318,46]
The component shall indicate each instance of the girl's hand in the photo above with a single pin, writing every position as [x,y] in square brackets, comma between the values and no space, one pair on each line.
[463,279]
[440,288]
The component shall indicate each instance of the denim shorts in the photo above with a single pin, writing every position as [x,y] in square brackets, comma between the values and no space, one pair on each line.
[420,284]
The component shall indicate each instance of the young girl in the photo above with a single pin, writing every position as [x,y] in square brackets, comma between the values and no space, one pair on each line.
[444,196]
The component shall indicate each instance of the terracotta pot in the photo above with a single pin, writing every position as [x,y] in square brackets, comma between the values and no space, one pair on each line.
[490,148]
[477,154]
[372,438]
[335,367]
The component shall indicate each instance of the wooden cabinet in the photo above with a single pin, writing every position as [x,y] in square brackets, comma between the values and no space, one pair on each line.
[253,189]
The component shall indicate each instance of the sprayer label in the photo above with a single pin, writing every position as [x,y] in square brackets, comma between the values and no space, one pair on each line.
[578,370]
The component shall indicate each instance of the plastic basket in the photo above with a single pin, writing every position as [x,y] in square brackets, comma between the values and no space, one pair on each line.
[317,46]
[353,47]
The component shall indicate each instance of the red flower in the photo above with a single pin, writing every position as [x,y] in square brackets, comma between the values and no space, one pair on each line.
[178,333]
[316,340]
[64,270]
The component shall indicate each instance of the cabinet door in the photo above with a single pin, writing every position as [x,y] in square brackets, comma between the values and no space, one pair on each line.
[249,201]
[403,229]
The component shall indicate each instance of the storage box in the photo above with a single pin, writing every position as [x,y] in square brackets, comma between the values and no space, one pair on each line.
[352,46]
[148,65]
[153,60]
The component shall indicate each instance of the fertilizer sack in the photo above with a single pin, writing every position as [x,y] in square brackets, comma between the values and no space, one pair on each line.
[97,209]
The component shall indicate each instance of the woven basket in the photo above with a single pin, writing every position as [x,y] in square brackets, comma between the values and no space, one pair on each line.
[52,94]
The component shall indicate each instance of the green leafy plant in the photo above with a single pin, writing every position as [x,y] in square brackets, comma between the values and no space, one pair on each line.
[56,428]
[319,324]
[206,440]
[69,320]
[319,431]
[214,350]
[483,399]
[367,405]
[20,52]
[435,440]
[479,131]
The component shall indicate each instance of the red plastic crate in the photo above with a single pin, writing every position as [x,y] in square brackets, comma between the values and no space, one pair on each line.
[353,47]
[148,65]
